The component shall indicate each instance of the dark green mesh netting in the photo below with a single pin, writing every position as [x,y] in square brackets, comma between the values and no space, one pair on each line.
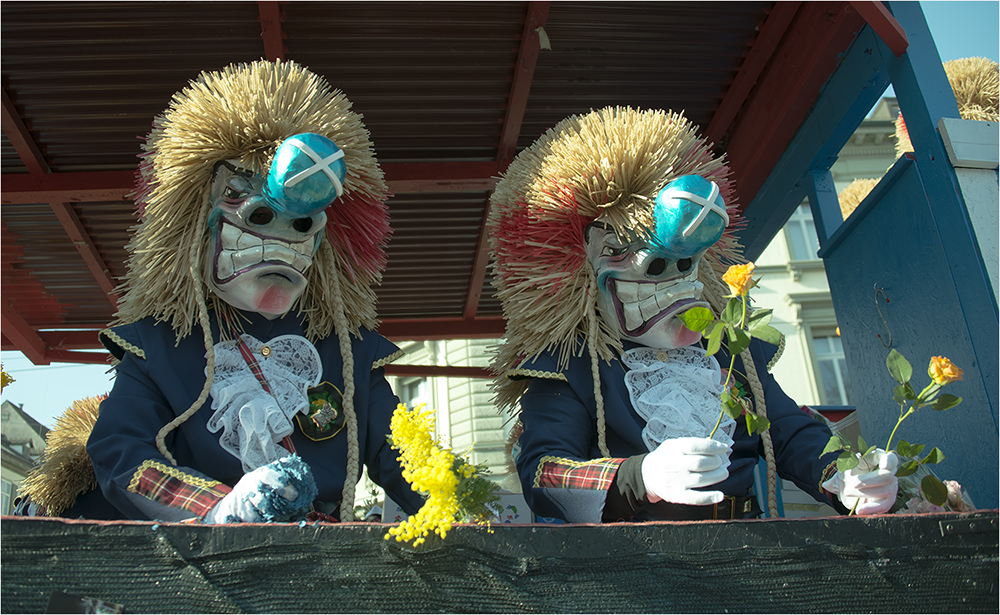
[888,564]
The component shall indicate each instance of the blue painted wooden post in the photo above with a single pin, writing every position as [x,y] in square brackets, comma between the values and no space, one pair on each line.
[824,204]
[906,264]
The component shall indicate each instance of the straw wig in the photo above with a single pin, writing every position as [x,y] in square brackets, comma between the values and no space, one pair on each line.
[244,112]
[608,164]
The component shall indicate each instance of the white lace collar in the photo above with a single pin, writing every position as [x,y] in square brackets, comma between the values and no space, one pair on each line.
[254,421]
[678,392]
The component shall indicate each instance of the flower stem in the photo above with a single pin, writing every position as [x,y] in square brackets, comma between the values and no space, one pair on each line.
[888,445]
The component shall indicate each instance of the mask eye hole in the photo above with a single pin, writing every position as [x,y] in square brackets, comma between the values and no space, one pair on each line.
[613,251]
[684,265]
[302,225]
[261,216]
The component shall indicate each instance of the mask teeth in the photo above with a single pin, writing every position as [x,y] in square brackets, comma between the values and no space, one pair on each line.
[641,301]
[241,250]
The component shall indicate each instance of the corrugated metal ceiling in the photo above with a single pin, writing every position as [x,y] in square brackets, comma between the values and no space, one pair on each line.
[449,91]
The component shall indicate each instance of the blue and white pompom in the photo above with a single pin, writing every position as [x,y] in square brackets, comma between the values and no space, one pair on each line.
[690,216]
[306,175]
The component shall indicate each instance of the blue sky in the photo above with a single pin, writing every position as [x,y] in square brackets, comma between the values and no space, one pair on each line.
[960,30]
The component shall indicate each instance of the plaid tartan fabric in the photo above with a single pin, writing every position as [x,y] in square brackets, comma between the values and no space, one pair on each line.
[560,473]
[171,487]
[252,363]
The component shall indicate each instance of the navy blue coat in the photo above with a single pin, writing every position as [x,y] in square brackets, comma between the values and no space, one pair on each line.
[156,381]
[559,416]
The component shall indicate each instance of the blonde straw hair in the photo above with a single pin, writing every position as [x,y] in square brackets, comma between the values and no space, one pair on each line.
[243,113]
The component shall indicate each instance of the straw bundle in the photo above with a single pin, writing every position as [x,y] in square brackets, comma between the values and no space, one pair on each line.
[608,164]
[243,113]
[64,471]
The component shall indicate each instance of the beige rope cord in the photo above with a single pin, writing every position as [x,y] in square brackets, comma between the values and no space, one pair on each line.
[350,416]
[195,265]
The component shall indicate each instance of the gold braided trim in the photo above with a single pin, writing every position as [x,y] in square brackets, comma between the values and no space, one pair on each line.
[124,344]
[534,373]
[777,355]
[387,360]
[170,471]
[827,474]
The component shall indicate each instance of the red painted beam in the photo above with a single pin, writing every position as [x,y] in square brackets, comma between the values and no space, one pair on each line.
[764,46]
[83,187]
[88,251]
[89,358]
[22,335]
[524,73]
[788,87]
[431,371]
[20,137]
[416,329]
[271,16]
[63,340]
[517,102]
[884,24]
[477,176]
[100,186]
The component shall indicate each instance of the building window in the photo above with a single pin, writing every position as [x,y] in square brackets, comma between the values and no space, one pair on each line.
[413,391]
[8,492]
[801,232]
[832,370]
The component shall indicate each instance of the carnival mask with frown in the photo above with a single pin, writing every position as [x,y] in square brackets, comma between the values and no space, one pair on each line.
[265,230]
[648,278]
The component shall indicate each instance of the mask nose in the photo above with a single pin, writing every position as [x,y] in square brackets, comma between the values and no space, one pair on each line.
[656,267]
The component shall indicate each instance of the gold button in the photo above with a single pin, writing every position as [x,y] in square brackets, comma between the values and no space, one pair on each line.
[265,351]
[661,356]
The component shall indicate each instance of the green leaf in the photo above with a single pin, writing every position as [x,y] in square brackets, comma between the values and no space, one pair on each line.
[903,448]
[756,424]
[870,450]
[946,401]
[759,318]
[715,339]
[908,392]
[767,333]
[738,340]
[862,445]
[899,394]
[899,367]
[733,311]
[915,449]
[836,443]
[733,408]
[934,490]
[935,456]
[697,318]
[908,468]
[847,461]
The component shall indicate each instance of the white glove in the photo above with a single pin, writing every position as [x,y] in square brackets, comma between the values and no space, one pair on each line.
[677,466]
[871,485]
[257,498]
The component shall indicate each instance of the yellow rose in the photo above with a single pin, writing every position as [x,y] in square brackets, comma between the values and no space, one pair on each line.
[739,280]
[942,371]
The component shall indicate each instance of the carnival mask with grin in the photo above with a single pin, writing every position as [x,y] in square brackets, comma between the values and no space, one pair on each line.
[644,284]
[266,229]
